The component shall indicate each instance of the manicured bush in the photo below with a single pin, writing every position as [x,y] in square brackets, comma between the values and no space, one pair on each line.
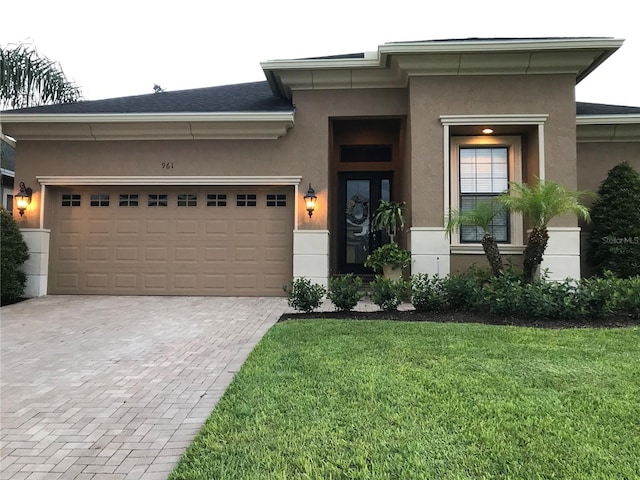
[596,296]
[464,290]
[551,300]
[428,294]
[388,294]
[13,254]
[627,299]
[614,243]
[501,296]
[304,295]
[345,292]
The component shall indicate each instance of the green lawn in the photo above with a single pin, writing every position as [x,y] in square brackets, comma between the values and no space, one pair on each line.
[327,399]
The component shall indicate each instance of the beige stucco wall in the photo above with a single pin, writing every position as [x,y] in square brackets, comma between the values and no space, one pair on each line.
[189,158]
[596,159]
[431,97]
[461,263]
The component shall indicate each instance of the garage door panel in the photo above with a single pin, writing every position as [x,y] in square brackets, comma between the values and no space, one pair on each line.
[97,254]
[127,227]
[126,254]
[99,227]
[197,250]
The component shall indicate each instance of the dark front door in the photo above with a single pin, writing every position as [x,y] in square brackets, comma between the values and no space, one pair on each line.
[359,196]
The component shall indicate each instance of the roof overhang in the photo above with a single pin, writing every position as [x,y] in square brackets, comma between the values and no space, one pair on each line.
[393,63]
[608,128]
[148,126]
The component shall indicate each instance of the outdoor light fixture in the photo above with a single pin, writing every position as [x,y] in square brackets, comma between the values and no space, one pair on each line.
[310,200]
[487,131]
[23,198]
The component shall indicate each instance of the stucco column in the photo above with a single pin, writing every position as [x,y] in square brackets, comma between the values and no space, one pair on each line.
[562,256]
[430,252]
[37,266]
[311,255]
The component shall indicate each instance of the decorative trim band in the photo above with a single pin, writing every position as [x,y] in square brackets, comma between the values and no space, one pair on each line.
[501,119]
[168,180]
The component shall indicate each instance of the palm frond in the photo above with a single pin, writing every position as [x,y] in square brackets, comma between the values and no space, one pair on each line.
[27,79]
[543,201]
[481,216]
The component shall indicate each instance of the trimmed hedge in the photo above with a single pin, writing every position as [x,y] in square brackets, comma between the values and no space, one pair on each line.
[478,291]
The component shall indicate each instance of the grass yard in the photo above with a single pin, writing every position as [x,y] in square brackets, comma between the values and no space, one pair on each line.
[327,399]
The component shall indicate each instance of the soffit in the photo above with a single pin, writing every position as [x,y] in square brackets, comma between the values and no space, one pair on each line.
[392,64]
[608,128]
[83,127]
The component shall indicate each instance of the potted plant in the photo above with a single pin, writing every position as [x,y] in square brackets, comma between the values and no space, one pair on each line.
[389,259]
[389,216]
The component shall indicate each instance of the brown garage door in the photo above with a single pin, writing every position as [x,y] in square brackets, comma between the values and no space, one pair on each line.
[170,240]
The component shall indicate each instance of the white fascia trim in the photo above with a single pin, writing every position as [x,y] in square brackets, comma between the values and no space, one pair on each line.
[6,139]
[169,180]
[8,173]
[468,46]
[608,119]
[505,119]
[370,59]
[146,117]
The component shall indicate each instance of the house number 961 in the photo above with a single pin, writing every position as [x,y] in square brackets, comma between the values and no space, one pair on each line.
[167,165]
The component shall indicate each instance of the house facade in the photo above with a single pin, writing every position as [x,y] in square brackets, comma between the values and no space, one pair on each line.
[200,192]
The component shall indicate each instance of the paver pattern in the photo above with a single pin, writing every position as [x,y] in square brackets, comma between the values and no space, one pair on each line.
[97,387]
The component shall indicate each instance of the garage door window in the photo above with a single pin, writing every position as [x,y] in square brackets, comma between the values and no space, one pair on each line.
[157,200]
[129,200]
[100,200]
[246,200]
[71,200]
[276,200]
[217,200]
[187,200]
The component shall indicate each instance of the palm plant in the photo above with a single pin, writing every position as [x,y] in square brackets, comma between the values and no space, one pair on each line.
[389,216]
[540,203]
[481,216]
[27,79]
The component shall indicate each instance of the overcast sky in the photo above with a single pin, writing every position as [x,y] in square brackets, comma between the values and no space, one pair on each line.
[121,48]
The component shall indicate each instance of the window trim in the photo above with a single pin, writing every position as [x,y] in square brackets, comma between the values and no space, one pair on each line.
[514,146]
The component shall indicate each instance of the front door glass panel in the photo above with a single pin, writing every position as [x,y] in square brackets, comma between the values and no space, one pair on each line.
[360,194]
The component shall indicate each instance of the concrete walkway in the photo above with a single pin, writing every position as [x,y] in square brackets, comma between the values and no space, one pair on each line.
[96,387]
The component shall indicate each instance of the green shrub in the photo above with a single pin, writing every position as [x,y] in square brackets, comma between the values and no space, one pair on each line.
[304,295]
[627,298]
[388,294]
[464,290]
[13,254]
[550,300]
[428,294]
[345,292]
[614,243]
[501,296]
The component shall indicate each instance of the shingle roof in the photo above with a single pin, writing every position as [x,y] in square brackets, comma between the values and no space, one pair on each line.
[243,97]
[583,108]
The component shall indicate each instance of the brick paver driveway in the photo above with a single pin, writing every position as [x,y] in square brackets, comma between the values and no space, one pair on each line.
[97,387]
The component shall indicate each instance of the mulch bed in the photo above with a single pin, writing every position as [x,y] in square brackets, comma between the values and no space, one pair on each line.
[617,321]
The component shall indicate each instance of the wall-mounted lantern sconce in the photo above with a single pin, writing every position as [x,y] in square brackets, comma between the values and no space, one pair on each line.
[310,200]
[23,198]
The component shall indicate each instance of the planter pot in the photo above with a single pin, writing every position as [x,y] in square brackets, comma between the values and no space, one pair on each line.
[391,272]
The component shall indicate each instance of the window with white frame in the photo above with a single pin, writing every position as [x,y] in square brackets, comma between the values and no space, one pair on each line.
[484,174]
[481,169]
